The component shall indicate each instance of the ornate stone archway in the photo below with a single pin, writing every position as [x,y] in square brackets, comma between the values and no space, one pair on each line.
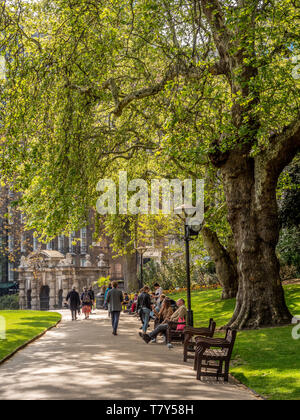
[52,269]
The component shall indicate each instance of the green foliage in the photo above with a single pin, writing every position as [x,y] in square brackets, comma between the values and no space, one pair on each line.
[102,281]
[289,190]
[9,302]
[288,247]
[161,88]
[172,273]
[65,123]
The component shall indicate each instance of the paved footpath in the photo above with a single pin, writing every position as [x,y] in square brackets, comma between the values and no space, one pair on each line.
[83,360]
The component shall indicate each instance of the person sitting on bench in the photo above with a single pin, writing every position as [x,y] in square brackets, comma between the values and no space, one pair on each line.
[162,328]
[164,315]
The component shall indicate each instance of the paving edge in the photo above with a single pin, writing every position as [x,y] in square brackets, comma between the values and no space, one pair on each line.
[238,382]
[28,342]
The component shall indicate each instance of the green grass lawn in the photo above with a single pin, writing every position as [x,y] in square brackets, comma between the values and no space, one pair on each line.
[266,360]
[22,326]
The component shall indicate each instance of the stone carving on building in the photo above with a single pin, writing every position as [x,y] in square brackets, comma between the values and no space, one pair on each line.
[67,261]
[88,262]
[23,262]
[101,262]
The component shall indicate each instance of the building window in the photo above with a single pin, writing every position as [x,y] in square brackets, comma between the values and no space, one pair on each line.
[10,216]
[82,262]
[11,273]
[118,269]
[35,243]
[49,246]
[61,243]
[72,242]
[83,240]
[10,243]
[23,242]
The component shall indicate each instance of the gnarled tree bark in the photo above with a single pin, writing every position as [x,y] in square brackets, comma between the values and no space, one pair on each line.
[225,267]
[250,189]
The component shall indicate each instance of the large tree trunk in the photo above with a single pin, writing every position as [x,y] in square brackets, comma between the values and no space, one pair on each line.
[130,272]
[252,214]
[225,267]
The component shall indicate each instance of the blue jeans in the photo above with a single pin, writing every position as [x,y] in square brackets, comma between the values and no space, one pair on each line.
[146,317]
[115,316]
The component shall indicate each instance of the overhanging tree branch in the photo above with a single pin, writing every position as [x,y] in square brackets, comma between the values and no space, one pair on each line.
[282,148]
[221,34]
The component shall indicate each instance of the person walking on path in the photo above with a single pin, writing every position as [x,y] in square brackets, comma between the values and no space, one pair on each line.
[86,303]
[74,303]
[92,296]
[105,296]
[146,307]
[114,300]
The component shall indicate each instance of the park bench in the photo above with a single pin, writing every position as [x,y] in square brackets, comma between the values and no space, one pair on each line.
[173,334]
[190,332]
[217,350]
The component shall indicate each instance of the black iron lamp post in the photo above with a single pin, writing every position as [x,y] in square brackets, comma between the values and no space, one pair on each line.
[141,251]
[190,231]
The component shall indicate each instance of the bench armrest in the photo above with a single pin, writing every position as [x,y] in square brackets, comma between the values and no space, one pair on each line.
[197,331]
[212,342]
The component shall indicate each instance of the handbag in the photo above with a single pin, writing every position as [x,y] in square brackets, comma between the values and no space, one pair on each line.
[181,326]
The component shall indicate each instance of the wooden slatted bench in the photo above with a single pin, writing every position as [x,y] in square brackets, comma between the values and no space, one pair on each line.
[218,350]
[173,334]
[190,332]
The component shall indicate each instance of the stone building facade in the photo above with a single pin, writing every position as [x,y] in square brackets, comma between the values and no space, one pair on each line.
[46,277]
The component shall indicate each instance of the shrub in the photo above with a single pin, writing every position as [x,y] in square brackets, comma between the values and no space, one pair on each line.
[289,248]
[9,302]
[288,272]
[171,274]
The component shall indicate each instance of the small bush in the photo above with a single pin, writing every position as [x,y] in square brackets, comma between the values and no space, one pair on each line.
[288,272]
[171,274]
[288,248]
[9,302]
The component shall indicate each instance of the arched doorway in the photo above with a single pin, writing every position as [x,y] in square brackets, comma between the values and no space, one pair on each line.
[28,304]
[44,298]
[60,299]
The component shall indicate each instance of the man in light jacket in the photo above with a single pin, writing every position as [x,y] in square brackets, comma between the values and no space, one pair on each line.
[114,300]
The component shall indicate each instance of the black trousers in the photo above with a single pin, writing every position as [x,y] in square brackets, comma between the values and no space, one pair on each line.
[74,313]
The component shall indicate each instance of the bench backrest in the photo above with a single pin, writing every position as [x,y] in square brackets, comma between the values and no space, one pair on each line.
[230,338]
[212,326]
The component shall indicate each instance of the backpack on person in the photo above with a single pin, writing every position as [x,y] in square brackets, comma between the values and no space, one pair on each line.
[86,298]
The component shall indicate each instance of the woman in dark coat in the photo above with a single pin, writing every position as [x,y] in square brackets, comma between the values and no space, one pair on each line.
[74,303]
